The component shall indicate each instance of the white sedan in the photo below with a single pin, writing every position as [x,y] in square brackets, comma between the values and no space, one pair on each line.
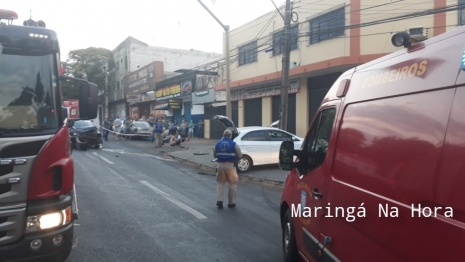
[259,145]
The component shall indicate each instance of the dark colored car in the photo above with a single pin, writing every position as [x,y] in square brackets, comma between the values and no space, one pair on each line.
[84,134]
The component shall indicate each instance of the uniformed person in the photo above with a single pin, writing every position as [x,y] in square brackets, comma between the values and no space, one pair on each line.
[227,152]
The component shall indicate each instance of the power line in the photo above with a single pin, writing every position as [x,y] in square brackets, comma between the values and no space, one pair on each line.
[426,12]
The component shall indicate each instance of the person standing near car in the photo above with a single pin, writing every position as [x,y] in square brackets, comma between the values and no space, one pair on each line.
[227,152]
[158,131]
[106,128]
[117,125]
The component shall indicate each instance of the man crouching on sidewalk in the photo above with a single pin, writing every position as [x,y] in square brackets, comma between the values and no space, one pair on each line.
[227,151]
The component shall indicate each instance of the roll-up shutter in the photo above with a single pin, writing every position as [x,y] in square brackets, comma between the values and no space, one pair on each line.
[253,112]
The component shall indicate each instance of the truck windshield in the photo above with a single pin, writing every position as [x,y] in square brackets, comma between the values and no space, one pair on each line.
[27,85]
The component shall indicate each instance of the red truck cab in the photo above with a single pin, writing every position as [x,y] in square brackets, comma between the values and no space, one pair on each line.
[37,197]
[381,172]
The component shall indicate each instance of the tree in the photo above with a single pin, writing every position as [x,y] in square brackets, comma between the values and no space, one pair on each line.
[90,64]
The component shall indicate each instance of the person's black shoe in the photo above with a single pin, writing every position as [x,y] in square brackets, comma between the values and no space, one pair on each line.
[231,205]
[219,204]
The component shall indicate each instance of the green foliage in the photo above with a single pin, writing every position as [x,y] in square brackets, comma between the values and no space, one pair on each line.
[90,64]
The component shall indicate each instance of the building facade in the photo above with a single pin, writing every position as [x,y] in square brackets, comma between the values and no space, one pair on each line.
[327,38]
[132,55]
[185,95]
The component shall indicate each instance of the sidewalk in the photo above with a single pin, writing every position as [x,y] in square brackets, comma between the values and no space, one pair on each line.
[199,153]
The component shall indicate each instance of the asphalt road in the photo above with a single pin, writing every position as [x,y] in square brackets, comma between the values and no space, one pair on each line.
[136,206]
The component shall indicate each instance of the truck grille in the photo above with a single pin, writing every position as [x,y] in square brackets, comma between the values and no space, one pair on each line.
[6,169]
[13,226]
[16,162]
[5,188]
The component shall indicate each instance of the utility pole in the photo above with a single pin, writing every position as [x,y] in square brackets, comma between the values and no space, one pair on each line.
[228,91]
[285,67]
[105,108]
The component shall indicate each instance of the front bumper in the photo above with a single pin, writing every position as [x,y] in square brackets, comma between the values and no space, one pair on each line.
[21,250]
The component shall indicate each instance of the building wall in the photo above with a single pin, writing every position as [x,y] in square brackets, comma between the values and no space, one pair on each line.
[173,59]
[358,44]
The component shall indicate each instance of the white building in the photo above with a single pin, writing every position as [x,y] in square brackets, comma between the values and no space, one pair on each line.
[132,54]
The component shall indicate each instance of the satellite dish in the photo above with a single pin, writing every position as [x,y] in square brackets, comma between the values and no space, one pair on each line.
[41,23]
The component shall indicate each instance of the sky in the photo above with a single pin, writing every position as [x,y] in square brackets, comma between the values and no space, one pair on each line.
[182,24]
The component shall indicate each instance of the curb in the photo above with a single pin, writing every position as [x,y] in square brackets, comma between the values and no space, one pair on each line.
[212,169]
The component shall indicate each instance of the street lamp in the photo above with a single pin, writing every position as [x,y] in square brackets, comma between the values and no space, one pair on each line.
[226,29]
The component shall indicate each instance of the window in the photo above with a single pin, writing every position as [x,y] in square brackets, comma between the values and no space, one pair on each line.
[461,9]
[261,135]
[318,138]
[278,40]
[279,136]
[327,26]
[248,53]
[126,62]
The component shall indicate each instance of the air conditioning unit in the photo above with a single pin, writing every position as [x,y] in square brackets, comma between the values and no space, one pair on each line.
[418,33]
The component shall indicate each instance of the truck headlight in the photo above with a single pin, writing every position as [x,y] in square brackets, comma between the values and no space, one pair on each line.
[49,220]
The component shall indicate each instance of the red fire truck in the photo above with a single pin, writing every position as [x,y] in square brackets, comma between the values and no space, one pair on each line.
[72,107]
[37,199]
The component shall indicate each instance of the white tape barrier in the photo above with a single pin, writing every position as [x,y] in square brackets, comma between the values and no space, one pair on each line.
[123,134]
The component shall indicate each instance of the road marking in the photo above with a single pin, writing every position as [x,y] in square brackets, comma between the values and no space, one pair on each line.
[174,201]
[77,224]
[104,159]
[87,172]
[136,154]
[120,176]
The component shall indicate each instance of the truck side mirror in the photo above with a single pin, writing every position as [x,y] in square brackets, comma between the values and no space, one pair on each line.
[84,92]
[286,155]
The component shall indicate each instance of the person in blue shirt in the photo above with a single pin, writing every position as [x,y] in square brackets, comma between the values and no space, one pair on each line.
[227,152]
[158,131]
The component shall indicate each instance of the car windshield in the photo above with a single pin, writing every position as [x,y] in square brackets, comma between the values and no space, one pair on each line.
[26,85]
[81,124]
[142,124]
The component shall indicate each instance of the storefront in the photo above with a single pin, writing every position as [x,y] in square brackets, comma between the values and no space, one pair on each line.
[262,104]
[140,86]
[174,96]
[187,87]
[318,87]
[117,108]
[172,109]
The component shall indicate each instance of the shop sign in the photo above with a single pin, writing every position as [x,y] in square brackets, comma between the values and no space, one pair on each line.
[169,92]
[204,92]
[175,103]
[186,87]
[264,91]
[141,80]
[132,98]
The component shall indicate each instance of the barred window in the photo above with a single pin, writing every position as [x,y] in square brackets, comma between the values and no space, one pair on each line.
[461,9]
[248,53]
[278,40]
[327,26]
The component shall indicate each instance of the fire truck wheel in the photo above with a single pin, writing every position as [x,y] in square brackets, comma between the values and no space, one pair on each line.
[288,239]
[82,147]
